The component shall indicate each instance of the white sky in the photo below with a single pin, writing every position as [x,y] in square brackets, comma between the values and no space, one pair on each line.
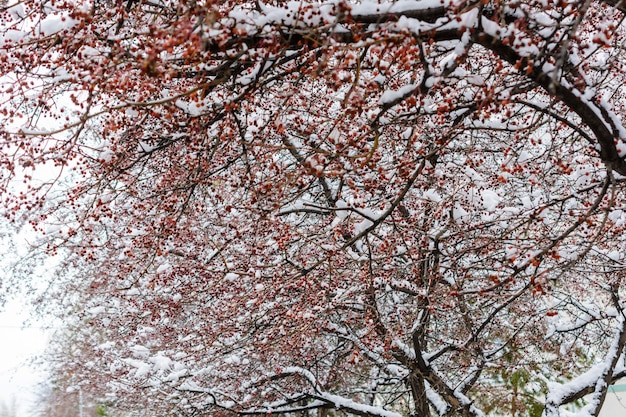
[20,343]
[18,346]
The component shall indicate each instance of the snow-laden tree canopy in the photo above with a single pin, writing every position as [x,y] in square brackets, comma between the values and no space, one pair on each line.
[405,208]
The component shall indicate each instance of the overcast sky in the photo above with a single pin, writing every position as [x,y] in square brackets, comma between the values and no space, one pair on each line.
[18,346]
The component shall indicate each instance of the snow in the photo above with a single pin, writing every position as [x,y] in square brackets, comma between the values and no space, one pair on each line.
[12,36]
[594,378]
[342,209]
[527,202]
[250,75]
[96,310]
[459,213]
[34,132]
[411,25]
[105,345]
[543,19]
[302,15]
[490,200]
[133,291]
[140,351]
[293,13]
[362,409]
[161,362]
[407,351]
[523,156]
[370,7]
[602,109]
[440,405]
[615,255]
[52,24]
[231,276]
[369,217]
[194,108]
[142,369]
[16,10]
[432,195]
[476,80]
[473,175]
[106,155]
[393,96]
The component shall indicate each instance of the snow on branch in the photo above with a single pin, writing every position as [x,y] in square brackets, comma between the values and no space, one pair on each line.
[595,381]
[334,400]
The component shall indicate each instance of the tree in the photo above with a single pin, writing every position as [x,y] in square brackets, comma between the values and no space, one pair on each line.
[388,209]
[55,402]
